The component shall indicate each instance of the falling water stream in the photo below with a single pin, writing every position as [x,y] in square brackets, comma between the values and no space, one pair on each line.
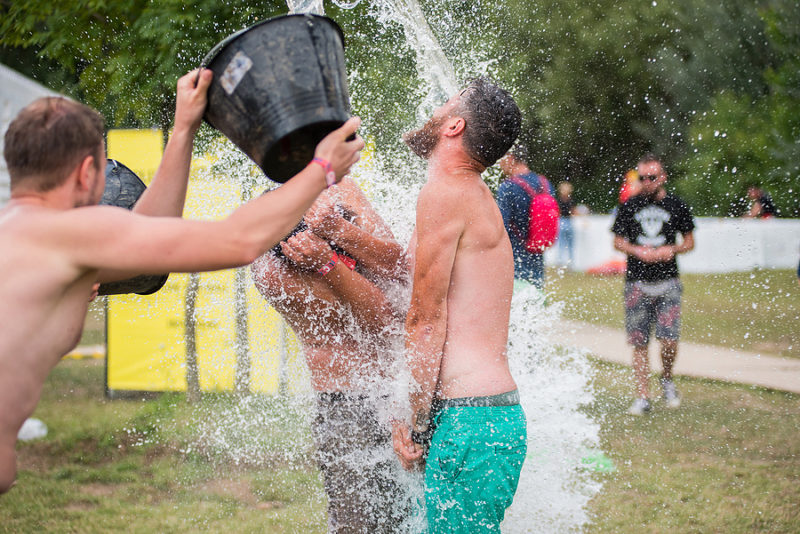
[553,382]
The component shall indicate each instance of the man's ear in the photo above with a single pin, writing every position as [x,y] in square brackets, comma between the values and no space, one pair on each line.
[86,170]
[454,126]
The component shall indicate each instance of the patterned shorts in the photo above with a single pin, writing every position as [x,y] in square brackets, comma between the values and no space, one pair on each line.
[648,303]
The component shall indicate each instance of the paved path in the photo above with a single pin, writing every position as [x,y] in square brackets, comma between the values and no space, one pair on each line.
[694,359]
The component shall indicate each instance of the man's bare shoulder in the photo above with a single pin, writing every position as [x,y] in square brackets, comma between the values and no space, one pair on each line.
[441,214]
[45,220]
[72,236]
[453,195]
[439,192]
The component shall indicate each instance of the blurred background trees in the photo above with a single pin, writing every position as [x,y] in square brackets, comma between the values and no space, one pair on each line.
[714,87]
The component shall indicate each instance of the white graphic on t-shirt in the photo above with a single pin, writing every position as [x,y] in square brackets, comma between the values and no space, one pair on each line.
[652,219]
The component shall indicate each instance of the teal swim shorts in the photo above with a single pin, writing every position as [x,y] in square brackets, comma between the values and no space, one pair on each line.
[474,462]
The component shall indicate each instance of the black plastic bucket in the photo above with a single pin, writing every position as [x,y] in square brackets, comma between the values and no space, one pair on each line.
[123,189]
[279,87]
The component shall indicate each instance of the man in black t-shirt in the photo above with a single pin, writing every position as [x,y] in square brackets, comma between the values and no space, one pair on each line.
[646,229]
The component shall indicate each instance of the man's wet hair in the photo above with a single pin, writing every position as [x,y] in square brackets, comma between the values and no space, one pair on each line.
[651,157]
[493,120]
[48,139]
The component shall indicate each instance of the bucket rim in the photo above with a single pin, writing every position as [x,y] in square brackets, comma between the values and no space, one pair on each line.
[214,52]
[117,164]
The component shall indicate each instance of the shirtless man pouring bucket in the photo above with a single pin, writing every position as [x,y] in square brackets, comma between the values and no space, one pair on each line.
[57,243]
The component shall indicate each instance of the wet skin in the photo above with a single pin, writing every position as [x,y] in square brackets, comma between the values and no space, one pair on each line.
[457,324]
[58,244]
[342,318]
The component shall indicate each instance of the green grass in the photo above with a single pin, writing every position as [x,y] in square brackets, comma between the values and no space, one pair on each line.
[94,328]
[755,311]
[143,466]
[727,461]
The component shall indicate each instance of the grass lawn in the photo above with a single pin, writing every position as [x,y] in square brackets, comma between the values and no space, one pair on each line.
[756,311]
[126,466]
[727,461]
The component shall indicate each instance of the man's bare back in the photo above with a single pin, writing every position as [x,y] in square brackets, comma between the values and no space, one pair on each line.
[328,283]
[340,330]
[335,356]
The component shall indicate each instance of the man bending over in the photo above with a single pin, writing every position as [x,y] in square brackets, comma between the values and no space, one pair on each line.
[339,266]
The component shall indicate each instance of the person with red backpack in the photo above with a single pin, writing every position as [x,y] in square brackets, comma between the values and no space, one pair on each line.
[530,214]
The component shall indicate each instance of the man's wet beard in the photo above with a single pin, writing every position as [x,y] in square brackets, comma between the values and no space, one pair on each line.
[424,140]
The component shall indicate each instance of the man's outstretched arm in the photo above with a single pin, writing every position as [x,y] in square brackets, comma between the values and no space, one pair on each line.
[103,237]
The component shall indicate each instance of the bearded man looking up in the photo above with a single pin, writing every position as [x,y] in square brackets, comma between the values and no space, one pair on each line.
[464,401]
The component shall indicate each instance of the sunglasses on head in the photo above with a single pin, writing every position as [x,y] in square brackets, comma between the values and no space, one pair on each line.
[649,177]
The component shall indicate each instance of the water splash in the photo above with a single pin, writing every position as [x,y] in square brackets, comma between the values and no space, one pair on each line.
[433,66]
[305,6]
[554,383]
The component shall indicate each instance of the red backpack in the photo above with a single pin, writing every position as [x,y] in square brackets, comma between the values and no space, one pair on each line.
[542,216]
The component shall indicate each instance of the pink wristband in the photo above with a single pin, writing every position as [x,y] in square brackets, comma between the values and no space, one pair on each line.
[330,176]
[328,267]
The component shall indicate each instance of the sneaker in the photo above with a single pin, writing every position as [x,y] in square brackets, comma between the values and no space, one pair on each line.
[639,407]
[671,397]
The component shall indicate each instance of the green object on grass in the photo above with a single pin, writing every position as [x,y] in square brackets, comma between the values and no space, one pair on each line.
[596,460]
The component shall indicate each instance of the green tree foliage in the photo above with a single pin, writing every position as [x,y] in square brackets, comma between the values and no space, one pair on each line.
[712,86]
[744,140]
[601,82]
[127,54]
[124,57]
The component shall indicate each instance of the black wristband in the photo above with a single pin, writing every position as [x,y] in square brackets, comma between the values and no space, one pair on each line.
[421,438]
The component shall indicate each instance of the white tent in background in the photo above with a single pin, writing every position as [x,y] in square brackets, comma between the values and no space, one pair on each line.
[16,92]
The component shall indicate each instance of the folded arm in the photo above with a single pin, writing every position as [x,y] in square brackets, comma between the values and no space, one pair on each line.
[367,303]
[348,219]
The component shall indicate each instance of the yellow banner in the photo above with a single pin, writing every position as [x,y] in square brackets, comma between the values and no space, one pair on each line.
[146,345]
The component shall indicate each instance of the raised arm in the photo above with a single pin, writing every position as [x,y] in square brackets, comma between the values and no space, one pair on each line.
[368,304]
[366,237]
[167,193]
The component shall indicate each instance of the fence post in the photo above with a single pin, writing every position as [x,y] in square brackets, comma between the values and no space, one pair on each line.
[242,377]
[190,338]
